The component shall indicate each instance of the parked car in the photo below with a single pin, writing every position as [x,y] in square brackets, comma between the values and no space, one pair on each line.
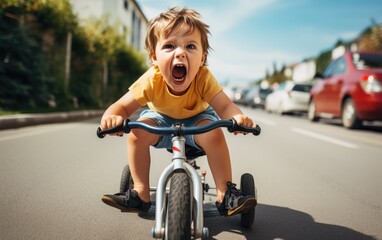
[229,91]
[350,88]
[289,97]
[239,95]
[256,96]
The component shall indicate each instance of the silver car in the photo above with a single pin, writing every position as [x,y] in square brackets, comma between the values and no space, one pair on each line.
[289,97]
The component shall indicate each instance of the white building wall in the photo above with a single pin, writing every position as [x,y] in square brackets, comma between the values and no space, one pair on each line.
[304,71]
[117,13]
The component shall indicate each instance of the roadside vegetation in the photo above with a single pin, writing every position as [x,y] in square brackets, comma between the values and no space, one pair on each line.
[49,62]
[369,40]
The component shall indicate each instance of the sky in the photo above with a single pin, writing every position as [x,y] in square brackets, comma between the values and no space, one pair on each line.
[250,37]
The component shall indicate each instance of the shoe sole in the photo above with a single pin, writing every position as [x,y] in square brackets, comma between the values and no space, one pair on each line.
[246,206]
[112,203]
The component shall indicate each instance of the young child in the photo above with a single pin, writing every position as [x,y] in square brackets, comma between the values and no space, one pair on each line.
[177,88]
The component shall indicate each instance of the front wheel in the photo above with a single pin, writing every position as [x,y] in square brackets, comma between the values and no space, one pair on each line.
[247,187]
[178,224]
[349,115]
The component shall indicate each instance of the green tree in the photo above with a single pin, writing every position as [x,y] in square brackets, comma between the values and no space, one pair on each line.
[33,55]
[371,39]
[23,83]
[322,60]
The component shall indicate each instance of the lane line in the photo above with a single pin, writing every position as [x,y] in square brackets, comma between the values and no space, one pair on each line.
[325,138]
[37,130]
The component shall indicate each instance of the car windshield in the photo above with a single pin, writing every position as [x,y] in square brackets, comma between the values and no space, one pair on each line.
[367,60]
[266,90]
[302,87]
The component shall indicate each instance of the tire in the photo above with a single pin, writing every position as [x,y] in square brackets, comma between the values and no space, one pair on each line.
[312,112]
[247,187]
[349,115]
[179,213]
[126,180]
[280,110]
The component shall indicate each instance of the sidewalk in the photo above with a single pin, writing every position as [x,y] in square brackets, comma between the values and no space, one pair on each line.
[23,120]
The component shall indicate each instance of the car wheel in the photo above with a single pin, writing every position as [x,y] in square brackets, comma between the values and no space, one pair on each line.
[279,109]
[349,115]
[312,112]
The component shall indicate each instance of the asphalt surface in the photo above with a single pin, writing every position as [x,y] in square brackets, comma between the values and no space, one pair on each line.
[24,120]
[314,181]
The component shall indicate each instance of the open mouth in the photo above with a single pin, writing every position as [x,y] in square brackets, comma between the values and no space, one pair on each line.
[179,73]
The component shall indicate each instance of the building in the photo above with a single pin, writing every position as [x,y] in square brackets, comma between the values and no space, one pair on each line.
[304,71]
[127,13]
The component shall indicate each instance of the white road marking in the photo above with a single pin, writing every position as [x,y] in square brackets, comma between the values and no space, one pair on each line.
[37,130]
[325,138]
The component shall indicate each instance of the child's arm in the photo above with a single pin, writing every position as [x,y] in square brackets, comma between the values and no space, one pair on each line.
[121,109]
[124,107]
[226,109]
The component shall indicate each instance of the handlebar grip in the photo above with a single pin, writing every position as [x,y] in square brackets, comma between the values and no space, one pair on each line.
[255,131]
[99,133]
[122,128]
[236,127]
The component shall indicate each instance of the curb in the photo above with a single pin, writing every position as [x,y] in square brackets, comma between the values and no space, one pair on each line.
[24,120]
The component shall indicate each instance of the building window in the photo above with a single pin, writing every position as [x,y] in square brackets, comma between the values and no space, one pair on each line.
[126,4]
[135,19]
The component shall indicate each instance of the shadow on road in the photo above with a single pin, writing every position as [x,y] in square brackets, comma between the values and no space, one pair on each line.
[273,222]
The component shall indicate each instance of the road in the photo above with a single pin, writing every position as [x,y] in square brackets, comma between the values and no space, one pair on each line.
[314,181]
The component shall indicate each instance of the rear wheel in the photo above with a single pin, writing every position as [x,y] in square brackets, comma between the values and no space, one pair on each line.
[349,115]
[126,180]
[178,224]
[312,112]
[247,187]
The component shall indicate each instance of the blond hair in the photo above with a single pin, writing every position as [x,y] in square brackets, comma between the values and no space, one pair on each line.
[166,22]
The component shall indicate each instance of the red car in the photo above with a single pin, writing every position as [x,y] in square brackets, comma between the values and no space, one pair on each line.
[350,88]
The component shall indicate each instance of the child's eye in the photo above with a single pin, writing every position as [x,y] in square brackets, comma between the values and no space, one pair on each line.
[191,46]
[168,46]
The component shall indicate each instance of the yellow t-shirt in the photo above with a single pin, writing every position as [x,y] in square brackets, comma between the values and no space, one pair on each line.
[151,89]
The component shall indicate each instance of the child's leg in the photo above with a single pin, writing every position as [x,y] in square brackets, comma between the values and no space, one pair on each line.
[216,149]
[138,153]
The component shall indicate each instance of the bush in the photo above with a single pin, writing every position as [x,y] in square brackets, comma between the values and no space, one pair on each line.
[33,76]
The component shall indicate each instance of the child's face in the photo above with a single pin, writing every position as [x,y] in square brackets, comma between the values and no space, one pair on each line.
[179,57]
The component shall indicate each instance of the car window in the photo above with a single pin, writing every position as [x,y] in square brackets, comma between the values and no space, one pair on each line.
[302,88]
[340,66]
[329,70]
[266,90]
[367,60]
[281,87]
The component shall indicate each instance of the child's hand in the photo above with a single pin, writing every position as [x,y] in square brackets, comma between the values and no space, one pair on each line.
[111,121]
[244,121]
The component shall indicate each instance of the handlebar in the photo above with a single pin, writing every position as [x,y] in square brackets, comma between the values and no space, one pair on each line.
[180,130]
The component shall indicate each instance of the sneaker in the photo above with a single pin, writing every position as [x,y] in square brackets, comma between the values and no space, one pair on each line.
[127,202]
[235,202]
